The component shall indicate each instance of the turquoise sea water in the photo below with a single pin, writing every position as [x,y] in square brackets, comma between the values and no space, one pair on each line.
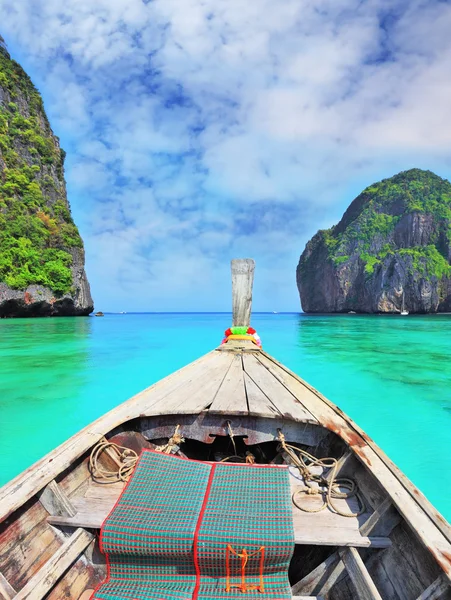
[392,375]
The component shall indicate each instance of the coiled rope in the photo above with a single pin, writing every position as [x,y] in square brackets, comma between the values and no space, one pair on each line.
[331,485]
[125,459]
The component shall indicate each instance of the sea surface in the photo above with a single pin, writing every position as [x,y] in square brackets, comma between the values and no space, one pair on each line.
[391,374]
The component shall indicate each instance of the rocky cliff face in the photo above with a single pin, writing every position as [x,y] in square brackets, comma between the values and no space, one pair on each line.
[393,242]
[41,252]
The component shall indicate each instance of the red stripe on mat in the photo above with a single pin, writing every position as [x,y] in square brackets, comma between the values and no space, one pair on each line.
[196,533]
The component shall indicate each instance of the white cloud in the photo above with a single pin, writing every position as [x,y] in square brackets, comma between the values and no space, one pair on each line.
[198,130]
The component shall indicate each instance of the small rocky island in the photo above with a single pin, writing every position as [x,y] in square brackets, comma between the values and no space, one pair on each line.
[41,252]
[391,249]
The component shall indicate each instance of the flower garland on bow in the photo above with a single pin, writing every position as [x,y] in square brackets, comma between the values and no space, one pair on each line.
[242,331]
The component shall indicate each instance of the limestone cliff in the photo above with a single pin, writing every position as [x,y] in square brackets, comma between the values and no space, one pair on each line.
[393,242]
[41,252]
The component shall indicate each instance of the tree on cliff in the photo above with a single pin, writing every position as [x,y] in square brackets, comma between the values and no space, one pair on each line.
[41,251]
[394,240]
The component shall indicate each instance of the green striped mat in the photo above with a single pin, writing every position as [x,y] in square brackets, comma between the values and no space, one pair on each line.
[181,530]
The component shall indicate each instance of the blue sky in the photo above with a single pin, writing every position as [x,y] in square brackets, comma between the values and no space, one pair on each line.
[201,130]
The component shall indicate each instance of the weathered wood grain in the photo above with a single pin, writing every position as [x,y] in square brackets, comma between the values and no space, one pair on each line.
[86,595]
[76,582]
[101,491]
[322,578]
[242,281]
[55,501]
[359,575]
[91,513]
[382,476]
[43,581]
[436,590]
[26,543]
[75,478]
[404,581]
[231,396]
[280,397]
[380,515]
[197,392]
[259,404]
[341,464]
[7,592]
[329,536]
[298,390]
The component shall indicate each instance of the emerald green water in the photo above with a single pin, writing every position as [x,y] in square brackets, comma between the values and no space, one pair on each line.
[392,375]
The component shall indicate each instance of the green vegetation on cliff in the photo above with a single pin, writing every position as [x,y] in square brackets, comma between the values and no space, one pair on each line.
[368,226]
[36,227]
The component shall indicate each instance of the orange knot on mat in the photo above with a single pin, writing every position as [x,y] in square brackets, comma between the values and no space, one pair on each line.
[245,556]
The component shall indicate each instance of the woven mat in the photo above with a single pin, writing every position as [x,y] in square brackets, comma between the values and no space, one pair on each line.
[179,526]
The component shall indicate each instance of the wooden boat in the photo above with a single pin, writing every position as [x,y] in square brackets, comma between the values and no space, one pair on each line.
[398,548]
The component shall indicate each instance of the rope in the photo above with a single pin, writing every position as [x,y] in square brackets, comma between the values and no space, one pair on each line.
[249,459]
[332,484]
[125,460]
[173,441]
[235,456]
[243,587]
[232,435]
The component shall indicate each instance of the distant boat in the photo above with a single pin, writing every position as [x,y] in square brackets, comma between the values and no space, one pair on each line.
[352,312]
[274,312]
[99,314]
[122,312]
[404,312]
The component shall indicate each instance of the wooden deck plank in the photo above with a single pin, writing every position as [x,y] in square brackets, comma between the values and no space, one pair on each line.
[231,396]
[336,537]
[325,528]
[43,581]
[91,513]
[99,490]
[282,399]
[301,394]
[358,573]
[259,404]
[325,518]
[199,392]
